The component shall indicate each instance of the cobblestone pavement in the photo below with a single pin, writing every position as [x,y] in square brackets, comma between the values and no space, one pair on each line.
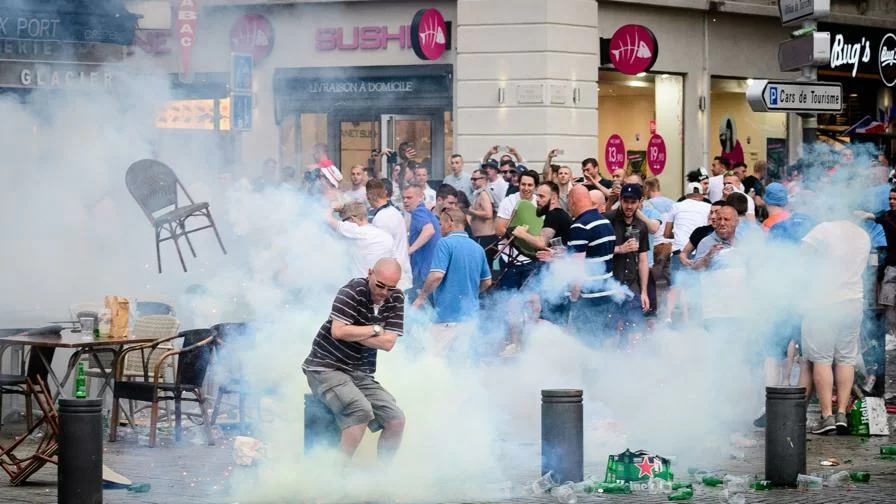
[191,472]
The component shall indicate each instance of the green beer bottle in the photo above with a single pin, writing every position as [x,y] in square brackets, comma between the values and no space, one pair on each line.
[81,383]
[761,485]
[612,488]
[711,480]
[682,495]
[610,477]
[888,450]
[678,485]
[860,476]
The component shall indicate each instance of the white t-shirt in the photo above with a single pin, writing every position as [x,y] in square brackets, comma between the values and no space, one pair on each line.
[391,221]
[686,216]
[498,188]
[359,194]
[429,197]
[714,193]
[842,250]
[370,245]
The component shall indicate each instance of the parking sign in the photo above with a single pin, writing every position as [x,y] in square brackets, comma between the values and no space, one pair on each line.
[772,95]
[241,68]
[241,111]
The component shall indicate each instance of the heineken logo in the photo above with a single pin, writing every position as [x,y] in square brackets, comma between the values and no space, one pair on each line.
[866,414]
[646,467]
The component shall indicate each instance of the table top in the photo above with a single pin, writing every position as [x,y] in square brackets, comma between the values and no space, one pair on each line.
[70,339]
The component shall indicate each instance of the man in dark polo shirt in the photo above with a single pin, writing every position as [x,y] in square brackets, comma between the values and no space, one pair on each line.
[630,266]
[367,315]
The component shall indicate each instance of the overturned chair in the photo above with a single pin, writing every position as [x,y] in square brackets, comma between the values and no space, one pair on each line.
[154,186]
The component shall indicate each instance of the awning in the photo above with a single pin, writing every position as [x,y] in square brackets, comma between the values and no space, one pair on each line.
[323,89]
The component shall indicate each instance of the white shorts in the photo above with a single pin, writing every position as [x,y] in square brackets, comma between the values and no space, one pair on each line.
[831,333]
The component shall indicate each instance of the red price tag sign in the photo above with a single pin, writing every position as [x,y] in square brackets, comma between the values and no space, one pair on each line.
[656,154]
[614,153]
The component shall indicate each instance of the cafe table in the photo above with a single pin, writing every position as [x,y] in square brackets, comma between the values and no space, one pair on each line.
[82,344]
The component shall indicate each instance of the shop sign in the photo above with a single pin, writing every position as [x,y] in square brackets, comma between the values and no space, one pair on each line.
[797,97]
[58,76]
[252,34]
[54,50]
[428,34]
[633,49]
[361,86]
[614,153]
[863,52]
[361,37]
[152,42]
[113,28]
[656,154]
[886,61]
[187,18]
[795,11]
[241,111]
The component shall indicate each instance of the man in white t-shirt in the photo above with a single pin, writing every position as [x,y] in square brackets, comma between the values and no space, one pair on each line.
[358,177]
[496,184]
[720,165]
[390,219]
[519,267]
[684,217]
[732,184]
[838,251]
[421,178]
[370,243]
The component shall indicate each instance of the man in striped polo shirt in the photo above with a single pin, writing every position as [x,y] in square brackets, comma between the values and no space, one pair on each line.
[367,315]
[592,240]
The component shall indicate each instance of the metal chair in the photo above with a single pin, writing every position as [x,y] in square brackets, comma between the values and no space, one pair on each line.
[154,186]
[232,341]
[16,383]
[192,364]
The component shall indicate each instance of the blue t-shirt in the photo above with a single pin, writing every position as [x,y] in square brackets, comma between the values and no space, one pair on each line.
[876,200]
[791,230]
[463,262]
[661,203]
[422,258]
[652,214]
[593,234]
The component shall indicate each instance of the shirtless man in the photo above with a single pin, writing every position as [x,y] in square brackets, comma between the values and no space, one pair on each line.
[482,214]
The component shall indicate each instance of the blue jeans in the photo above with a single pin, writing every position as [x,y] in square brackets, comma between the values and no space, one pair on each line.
[515,275]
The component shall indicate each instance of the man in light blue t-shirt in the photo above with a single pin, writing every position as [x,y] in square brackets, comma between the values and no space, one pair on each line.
[459,272]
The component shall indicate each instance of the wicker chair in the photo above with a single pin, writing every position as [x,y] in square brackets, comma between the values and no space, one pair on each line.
[154,186]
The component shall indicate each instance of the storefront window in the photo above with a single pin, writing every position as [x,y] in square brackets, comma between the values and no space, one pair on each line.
[740,134]
[288,151]
[312,131]
[204,125]
[635,107]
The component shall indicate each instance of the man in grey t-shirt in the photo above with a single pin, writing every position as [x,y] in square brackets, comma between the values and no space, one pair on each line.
[457,178]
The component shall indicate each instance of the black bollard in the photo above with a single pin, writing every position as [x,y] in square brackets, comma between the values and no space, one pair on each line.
[562,435]
[80,472]
[785,434]
[321,429]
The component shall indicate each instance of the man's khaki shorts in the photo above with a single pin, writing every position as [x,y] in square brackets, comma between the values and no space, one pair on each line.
[831,333]
[354,398]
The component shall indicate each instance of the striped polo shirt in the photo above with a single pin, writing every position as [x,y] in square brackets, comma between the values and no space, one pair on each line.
[593,235]
[354,307]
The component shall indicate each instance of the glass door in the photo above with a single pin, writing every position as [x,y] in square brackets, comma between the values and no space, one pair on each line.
[415,133]
[352,141]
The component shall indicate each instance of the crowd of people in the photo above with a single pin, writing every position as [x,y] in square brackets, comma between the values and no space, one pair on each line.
[611,259]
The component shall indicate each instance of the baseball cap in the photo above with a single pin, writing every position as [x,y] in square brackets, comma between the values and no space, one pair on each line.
[521,168]
[491,163]
[776,194]
[631,191]
[694,188]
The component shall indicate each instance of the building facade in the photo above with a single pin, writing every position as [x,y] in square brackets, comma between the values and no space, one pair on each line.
[521,73]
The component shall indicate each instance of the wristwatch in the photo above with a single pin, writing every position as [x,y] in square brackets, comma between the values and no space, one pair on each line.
[377,329]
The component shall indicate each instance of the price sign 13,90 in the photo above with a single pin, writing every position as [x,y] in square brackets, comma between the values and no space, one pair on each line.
[614,153]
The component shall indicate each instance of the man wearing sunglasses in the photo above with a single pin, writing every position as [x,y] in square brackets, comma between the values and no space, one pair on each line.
[367,315]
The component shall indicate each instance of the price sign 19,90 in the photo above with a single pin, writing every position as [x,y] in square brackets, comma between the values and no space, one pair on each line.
[656,154]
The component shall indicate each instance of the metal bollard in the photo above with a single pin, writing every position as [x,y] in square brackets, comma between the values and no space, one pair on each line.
[321,429]
[80,471]
[562,434]
[785,434]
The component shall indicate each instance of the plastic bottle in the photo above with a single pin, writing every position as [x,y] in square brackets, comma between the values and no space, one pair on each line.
[566,493]
[860,476]
[711,480]
[81,383]
[842,478]
[682,495]
[543,484]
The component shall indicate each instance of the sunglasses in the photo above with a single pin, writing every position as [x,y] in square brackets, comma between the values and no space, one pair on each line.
[381,285]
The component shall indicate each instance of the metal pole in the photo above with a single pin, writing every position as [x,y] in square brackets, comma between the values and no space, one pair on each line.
[809,74]
[80,472]
[562,436]
[785,434]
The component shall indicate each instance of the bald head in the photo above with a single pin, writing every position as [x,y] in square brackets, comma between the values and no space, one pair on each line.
[387,267]
[579,200]
[598,200]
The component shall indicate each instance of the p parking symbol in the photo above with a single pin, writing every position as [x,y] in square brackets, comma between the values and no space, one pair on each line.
[772,95]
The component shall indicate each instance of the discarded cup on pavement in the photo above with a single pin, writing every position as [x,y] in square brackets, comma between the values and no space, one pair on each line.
[566,493]
[544,483]
[737,483]
[842,478]
[860,476]
[806,482]
[728,497]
